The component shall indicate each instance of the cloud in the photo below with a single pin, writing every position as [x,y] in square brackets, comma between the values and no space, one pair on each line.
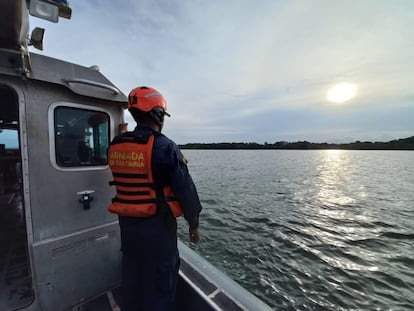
[223,65]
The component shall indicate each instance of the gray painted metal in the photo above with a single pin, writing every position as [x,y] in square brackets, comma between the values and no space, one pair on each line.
[79,79]
[74,253]
[14,25]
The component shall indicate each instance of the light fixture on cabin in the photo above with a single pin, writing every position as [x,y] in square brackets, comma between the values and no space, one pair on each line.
[50,9]
[36,39]
[44,10]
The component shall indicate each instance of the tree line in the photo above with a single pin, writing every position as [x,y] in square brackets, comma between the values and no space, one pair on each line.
[396,144]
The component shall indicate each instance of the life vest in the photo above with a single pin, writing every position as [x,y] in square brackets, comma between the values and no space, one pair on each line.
[137,195]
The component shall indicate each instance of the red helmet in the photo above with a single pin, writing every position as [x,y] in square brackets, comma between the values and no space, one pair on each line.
[146,99]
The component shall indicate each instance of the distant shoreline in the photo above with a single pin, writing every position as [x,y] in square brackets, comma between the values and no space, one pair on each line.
[397,144]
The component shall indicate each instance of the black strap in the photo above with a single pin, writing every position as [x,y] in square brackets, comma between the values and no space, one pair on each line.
[131,137]
[128,184]
[132,193]
[134,201]
[168,199]
[128,175]
[135,137]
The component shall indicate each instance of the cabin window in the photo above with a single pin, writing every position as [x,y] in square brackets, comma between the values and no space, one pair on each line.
[81,137]
[9,139]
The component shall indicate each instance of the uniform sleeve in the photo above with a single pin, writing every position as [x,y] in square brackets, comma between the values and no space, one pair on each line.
[182,184]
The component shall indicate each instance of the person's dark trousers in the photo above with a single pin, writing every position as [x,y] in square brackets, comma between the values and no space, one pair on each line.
[150,264]
[149,286]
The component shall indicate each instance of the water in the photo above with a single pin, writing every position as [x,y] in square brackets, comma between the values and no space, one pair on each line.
[310,229]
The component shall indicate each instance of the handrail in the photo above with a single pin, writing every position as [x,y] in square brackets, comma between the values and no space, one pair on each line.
[238,295]
[114,90]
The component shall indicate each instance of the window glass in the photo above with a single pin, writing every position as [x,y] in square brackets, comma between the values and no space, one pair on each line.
[81,137]
[9,138]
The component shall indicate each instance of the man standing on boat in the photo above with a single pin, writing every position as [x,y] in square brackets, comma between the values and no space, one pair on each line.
[153,187]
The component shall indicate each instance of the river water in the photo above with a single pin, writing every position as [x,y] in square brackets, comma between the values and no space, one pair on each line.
[310,229]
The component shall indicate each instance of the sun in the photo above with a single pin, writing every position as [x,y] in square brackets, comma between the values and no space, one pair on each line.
[341,92]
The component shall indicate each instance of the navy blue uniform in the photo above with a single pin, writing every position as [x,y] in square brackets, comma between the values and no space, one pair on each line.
[150,258]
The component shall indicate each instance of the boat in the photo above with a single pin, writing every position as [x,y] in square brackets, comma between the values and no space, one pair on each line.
[59,246]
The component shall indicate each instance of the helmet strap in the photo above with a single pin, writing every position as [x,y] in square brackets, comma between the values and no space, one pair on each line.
[157,115]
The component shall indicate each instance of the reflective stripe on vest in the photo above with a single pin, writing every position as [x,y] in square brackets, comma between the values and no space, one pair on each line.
[136,194]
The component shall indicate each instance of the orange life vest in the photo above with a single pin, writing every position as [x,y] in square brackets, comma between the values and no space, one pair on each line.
[130,161]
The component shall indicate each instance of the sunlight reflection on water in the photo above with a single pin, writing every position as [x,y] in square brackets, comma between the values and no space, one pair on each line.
[334,172]
[318,229]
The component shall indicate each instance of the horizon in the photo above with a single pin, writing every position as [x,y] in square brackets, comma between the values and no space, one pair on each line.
[298,141]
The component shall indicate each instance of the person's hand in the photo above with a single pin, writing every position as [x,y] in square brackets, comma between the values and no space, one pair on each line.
[194,235]
[123,127]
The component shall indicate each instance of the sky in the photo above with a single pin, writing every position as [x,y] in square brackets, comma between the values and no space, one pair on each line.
[253,71]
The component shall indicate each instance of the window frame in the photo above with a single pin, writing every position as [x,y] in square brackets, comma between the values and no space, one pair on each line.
[52,135]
